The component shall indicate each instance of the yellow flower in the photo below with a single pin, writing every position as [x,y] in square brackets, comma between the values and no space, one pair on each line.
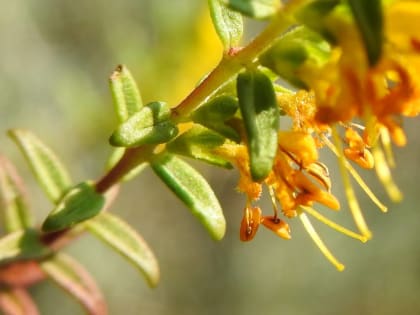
[357,149]
[238,155]
[344,89]
[297,179]
[347,87]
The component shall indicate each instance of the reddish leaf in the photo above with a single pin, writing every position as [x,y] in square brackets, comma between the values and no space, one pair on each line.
[17,302]
[73,278]
[21,274]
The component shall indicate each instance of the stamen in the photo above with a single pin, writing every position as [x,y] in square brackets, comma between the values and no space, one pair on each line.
[333,225]
[318,242]
[386,142]
[250,223]
[357,177]
[291,156]
[348,189]
[273,200]
[358,126]
[384,174]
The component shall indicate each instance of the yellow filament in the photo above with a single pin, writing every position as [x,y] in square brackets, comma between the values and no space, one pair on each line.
[317,240]
[273,200]
[384,174]
[357,177]
[334,225]
[386,142]
[348,189]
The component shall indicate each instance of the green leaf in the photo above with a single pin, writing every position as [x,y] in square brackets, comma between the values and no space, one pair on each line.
[257,102]
[134,172]
[148,126]
[13,203]
[228,24]
[369,19]
[17,301]
[126,241]
[215,113]
[22,244]
[193,190]
[126,95]
[314,15]
[297,47]
[199,143]
[81,203]
[47,168]
[259,9]
[73,278]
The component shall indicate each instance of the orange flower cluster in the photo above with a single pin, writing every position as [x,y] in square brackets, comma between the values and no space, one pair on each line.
[346,89]
[297,179]
[357,149]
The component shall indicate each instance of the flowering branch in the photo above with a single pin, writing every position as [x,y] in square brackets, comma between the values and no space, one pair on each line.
[347,62]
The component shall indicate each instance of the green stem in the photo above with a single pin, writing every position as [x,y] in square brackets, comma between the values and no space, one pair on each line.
[230,65]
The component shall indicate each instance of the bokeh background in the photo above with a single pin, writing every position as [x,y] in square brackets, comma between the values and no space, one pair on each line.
[55,58]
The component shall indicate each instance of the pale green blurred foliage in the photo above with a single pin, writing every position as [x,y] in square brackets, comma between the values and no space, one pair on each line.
[55,57]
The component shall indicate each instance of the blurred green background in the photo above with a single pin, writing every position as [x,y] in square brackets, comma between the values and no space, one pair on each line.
[55,58]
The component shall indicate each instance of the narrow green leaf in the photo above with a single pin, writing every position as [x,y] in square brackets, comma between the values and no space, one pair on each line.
[13,203]
[126,95]
[126,241]
[81,203]
[259,9]
[148,126]
[73,278]
[215,113]
[127,100]
[199,143]
[193,190]
[369,19]
[258,105]
[22,244]
[17,301]
[129,136]
[47,168]
[228,24]
[295,48]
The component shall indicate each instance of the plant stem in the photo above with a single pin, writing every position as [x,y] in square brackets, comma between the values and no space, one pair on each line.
[230,65]
[131,158]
